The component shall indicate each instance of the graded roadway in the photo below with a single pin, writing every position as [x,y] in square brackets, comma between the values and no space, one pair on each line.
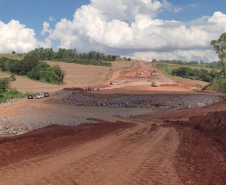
[138,150]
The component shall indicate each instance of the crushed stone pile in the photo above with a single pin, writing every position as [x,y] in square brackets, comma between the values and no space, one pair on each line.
[143,101]
[19,124]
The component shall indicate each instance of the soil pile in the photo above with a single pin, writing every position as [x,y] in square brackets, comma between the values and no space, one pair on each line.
[202,152]
[213,122]
[200,159]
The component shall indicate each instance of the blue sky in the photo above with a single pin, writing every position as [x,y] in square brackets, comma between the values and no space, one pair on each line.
[32,13]
[105,25]
[202,8]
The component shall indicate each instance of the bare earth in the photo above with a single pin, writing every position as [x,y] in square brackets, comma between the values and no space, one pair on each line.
[76,76]
[117,145]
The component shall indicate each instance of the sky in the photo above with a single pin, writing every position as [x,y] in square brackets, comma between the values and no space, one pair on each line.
[142,29]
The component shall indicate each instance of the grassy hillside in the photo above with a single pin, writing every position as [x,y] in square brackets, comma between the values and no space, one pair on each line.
[176,66]
[13,56]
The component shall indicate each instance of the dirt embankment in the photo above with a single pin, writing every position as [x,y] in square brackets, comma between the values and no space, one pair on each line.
[51,138]
[201,155]
[213,123]
[142,101]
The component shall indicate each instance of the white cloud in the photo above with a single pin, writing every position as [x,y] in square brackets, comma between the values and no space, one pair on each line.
[130,26]
[46,28]
[177,9]
[51,19]
[193,5]
[126,9]
[186,55]
[16,37]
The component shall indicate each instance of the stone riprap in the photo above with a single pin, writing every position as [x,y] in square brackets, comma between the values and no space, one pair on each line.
[143,101]
[18,124]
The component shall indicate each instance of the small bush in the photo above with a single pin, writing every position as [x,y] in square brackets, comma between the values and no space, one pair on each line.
[218,84]
[11,94]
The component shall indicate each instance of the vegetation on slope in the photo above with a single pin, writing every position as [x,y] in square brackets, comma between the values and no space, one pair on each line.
[195,74]
[201,64]
[71,56]
[6,93]
[13,56]
[33,68]
[191,72]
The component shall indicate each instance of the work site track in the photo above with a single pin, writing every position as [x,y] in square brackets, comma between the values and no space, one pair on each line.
[140,154]
[139,150]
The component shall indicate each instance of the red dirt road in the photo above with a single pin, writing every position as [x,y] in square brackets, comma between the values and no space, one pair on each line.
[142,154]
[144,151]
[141,150]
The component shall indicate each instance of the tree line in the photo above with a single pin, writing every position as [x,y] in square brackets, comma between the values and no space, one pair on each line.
[195,74]
[212,65]
[65,55]
[33,68]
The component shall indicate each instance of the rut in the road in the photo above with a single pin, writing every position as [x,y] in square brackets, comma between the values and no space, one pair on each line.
[142,157]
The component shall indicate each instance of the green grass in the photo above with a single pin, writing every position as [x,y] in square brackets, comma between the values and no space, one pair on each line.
[13,56]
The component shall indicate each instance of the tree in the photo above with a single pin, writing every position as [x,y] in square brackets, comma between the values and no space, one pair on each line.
[13,52]
[4,84]
[154,61]
[220,48]
[12,77]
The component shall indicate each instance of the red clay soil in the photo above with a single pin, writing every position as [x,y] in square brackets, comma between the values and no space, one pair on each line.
[49,139]
[200,158]
[202,151]
[147,152]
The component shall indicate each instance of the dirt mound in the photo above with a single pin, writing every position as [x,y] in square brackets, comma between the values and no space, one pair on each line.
[214,122]
[200,158]
[202,152]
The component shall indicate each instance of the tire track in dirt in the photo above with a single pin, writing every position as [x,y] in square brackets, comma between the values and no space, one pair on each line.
[139,155]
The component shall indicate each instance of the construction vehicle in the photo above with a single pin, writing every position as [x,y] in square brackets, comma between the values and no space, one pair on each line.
[154,84]
[112,83]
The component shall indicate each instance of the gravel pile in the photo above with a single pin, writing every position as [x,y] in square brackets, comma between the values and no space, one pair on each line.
[143,101]
[19,124]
